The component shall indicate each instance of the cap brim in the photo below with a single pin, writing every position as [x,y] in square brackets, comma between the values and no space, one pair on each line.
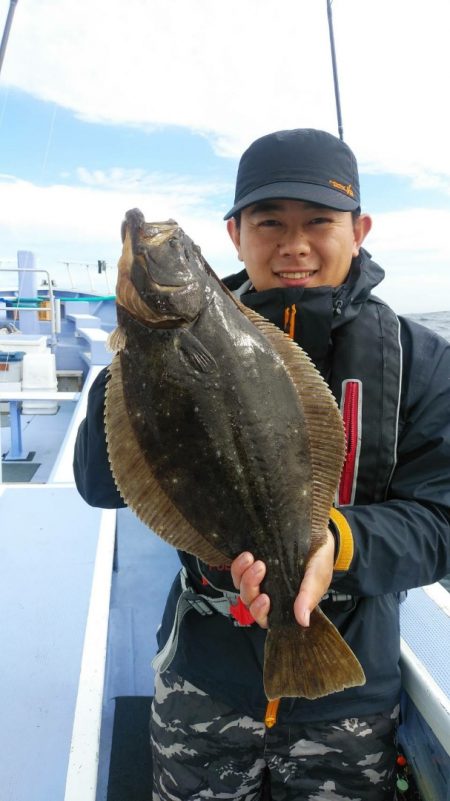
[290,190]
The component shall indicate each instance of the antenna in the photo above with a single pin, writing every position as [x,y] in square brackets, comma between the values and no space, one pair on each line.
[8,23]
[335,75]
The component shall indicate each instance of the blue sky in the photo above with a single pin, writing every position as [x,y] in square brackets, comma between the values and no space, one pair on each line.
[149,103]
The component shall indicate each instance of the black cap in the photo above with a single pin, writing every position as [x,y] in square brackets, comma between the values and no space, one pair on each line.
[302,164]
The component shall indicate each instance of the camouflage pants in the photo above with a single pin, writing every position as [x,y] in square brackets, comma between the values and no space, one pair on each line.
[203,749]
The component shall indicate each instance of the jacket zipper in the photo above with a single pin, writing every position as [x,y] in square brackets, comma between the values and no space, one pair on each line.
[351,413]
[290,313]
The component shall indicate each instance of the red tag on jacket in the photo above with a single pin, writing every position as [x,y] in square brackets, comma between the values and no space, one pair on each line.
[241,614]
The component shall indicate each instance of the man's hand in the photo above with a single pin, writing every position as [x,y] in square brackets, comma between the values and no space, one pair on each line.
[248,574]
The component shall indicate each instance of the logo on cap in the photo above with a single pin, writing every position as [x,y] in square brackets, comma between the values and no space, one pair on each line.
[347,188]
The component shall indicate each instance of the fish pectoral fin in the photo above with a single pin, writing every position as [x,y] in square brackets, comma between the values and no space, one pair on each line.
[309,662]
[194,354]
[117,340]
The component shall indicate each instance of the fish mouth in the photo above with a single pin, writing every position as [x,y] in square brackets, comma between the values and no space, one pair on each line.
[151,301]
[157,305]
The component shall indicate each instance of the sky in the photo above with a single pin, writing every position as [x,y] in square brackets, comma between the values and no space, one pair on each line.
[107,106]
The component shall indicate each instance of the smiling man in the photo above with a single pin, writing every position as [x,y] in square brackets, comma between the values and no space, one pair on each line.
[291,243]
[297,227]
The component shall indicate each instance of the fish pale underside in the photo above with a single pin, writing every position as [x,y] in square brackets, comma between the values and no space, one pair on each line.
[223,437]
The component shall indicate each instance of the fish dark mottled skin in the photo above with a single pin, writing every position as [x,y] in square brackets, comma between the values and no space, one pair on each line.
[223,437]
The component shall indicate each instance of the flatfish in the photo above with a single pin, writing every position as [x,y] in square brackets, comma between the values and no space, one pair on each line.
[223,437]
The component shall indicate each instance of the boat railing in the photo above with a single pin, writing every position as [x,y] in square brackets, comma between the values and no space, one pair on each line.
[102,268]
[54,307]
[83,765]
[424,733]
[62,471]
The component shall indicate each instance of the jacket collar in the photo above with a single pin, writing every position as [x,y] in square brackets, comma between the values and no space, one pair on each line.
[318,310]
[364,275]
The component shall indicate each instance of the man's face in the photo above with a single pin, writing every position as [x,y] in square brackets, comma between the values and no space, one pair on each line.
[292,243]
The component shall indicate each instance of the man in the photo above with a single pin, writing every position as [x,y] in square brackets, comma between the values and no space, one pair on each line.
[297,228]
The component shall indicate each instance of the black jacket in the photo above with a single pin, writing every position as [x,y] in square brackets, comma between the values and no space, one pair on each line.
[400,531]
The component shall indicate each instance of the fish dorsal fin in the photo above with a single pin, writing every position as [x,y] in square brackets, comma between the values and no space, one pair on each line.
[323,418]
[136,482]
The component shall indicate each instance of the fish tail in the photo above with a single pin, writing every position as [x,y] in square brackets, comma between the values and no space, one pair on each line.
[309,662]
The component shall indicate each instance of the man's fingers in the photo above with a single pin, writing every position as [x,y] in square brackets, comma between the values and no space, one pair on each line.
[247,577]
[250,582]
[302,607]
[259,609]
[239,565]
[316,581]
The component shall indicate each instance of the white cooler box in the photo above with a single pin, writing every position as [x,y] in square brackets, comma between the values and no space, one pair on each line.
[39,373]
[10,374]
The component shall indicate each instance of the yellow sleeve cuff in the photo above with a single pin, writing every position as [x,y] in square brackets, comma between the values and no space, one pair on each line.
[346,546]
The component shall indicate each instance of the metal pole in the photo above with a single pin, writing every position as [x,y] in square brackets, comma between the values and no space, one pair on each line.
[8,23]
[67,263]
[108,288]
[335,75]
[90,279]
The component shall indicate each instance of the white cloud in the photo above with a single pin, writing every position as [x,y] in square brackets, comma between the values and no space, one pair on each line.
[414,249]
[411,231]
[176,189]
[65,223]
[213,68]
[238,69]
[77,224]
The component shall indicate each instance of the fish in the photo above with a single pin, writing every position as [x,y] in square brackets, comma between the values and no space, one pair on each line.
[222,436]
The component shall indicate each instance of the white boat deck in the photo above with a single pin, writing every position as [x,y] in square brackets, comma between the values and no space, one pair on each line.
[51,569]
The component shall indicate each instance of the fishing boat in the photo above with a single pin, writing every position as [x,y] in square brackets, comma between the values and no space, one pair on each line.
[82,589]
